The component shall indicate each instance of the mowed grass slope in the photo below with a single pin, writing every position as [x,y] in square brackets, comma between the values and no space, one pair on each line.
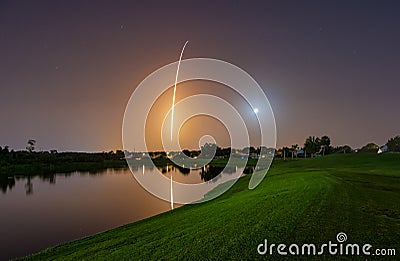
[300,201]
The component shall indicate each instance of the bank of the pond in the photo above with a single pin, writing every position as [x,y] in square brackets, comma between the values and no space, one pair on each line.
[300,201]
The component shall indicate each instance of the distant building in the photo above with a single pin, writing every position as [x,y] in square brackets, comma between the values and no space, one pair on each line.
[383,149]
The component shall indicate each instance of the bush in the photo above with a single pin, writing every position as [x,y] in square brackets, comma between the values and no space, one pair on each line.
[394,144]
[370,147]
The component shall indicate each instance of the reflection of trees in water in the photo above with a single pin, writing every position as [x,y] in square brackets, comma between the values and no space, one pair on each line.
[137,164]
[209,172]
[169,168]
[182,170]
[7,183]
[51,178]
[29,186]
[165,169]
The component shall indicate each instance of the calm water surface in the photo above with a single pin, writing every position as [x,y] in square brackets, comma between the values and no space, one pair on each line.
[41,212]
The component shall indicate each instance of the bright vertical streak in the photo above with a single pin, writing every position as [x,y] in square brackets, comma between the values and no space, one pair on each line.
[176,81]
[172,114]
[172,194]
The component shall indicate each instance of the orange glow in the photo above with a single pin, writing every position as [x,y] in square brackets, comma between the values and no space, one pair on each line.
[196,127]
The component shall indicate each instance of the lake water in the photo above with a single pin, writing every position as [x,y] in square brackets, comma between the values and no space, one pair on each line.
[41,212]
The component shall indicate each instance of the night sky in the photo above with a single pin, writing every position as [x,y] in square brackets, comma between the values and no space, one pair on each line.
[67,68]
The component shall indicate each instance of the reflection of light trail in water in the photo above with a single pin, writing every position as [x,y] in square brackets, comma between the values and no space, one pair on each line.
[172,195]
[172,113]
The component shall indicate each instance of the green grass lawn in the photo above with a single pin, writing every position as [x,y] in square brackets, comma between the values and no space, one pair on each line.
[300,201]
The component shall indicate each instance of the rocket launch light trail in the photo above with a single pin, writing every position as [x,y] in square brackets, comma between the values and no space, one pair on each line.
[176,81]
[172,113]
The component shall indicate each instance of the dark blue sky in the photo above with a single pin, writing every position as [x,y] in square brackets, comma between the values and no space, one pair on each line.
[67,68]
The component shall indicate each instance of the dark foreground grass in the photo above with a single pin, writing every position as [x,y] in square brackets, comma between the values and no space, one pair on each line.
[300,201]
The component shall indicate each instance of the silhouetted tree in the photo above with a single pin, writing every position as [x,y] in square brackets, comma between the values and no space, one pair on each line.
[315,145]
[312,145]
[285,151]
[325,143]
[325,140]
[31,145]
[294,149]
[394,144]
[186,152]
[208,150]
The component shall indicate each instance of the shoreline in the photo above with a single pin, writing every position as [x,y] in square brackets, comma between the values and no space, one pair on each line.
[41,168]
[323,186]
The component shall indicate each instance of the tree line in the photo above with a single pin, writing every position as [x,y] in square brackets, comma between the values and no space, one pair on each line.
[314,146]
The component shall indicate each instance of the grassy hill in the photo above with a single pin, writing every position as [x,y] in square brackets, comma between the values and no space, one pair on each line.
[300,201]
